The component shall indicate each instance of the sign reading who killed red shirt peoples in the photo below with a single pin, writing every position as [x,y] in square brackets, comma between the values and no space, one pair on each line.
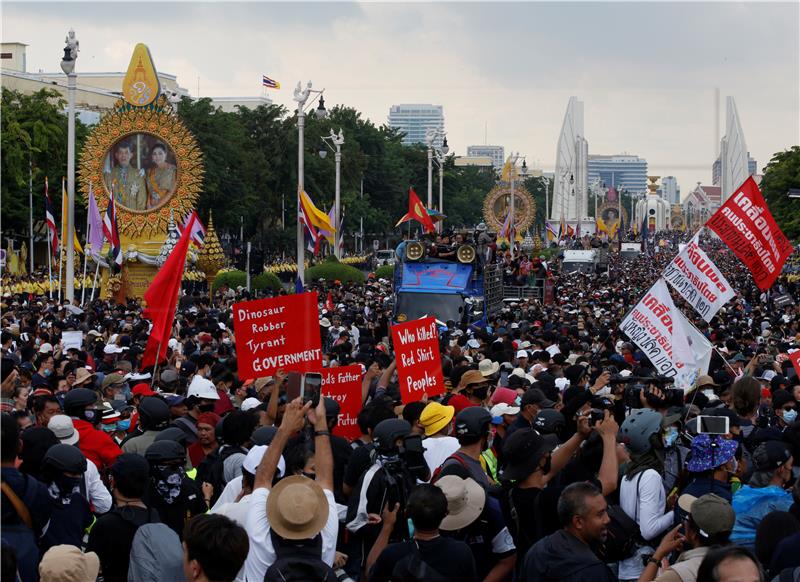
[745,224]
[419,367]
[343,384]
[277,334]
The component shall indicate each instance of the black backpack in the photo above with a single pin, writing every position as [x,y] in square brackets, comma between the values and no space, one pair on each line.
[413,568]
[299,561]
[623,533]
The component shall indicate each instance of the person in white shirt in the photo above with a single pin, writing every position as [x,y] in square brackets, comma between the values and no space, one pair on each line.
[641,492]
[437,420]
[310,518]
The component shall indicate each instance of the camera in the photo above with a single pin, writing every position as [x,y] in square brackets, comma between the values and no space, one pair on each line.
[635,385]
[596,415]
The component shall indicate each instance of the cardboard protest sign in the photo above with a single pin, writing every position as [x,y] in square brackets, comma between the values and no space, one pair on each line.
[655,326]
[279,333]
[745,224]
[694,275]
[419,367]
[343,384]
[72,339]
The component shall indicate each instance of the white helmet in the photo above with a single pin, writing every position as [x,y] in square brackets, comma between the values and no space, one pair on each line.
[202,388]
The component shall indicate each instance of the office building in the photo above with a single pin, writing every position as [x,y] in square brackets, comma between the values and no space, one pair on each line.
[497,153]
[622,171]
[670,191]
[415,119]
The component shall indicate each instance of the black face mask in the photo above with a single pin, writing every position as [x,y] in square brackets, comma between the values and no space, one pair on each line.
[206,407]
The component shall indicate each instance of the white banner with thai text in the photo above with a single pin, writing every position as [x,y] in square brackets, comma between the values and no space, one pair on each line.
[698,280]
[654,326]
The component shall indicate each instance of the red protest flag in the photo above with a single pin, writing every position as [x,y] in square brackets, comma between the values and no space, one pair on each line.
[795,359]
[162,299]
[416,211]
[745,224]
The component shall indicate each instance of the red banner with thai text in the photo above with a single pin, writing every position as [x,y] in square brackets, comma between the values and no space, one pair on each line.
[419,366]
[745,224]
[278,333]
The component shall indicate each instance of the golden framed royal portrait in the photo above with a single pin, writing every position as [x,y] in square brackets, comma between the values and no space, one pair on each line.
[497,203]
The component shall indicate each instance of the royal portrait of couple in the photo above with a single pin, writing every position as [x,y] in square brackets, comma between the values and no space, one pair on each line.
[140,171]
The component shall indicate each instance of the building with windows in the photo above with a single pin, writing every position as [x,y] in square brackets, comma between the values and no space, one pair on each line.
[670,191]
[622,171]
[415,119]
[497,153]
[716,169]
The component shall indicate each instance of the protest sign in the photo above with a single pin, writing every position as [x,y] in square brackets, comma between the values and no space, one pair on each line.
[745,224]
[698,280]
[699,344]
[72,339]
[795,359]
[343,384]
[655,327]
[419,367]
[279,333]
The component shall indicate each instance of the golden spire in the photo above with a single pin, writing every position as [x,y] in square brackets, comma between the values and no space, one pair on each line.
[212,257]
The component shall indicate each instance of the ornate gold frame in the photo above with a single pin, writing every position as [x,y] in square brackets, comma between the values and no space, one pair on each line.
[615,206]
[159,120]
[523,217]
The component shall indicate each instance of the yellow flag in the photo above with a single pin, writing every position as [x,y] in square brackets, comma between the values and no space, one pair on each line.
[316,216]
[78,248]
[508,167]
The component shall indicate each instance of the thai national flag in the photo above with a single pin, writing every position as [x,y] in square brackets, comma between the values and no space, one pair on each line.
[198,232]
[110,231]
[270,83]
[51,220]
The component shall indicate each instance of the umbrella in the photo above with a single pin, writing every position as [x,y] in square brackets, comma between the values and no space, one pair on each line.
[73,310]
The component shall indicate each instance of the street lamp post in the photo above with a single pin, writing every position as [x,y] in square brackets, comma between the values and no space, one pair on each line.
[337,141]
[301,96]
[68,66]
[546,181]
[512,176]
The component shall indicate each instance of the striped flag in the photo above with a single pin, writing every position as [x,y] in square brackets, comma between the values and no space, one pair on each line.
[111,233]
[64,200]
[198,233]
[51,220]
[269,83]
[314,236]
[505,231]
[552,235]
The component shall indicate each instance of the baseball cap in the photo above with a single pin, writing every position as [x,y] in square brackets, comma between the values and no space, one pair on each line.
[710,452]
[474,344]
[174,399]
[549,421]
[435,417]
[112,379]
[142,390]
[472,422]
[112,349]
[46,348]
[250,403]
[253,459]
[537,397]
[506,395]
[770,455]
[169,376]
[711,513]
[523,450]
[62,427]
[522,354]
[498,410]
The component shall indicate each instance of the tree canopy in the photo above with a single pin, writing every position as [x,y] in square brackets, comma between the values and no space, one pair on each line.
[780,174]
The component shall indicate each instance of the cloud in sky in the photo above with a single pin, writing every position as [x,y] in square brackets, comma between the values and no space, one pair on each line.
[647,72]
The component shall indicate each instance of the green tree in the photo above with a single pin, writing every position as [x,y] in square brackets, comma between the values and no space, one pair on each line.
[780,174]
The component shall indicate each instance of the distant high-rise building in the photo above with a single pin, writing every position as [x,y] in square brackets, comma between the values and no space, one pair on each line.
[623,172]
[670,190]
[716,170]
[570,188]
[497,153]
[415,119]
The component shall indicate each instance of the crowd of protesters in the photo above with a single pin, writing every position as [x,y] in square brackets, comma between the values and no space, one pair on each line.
[541,461]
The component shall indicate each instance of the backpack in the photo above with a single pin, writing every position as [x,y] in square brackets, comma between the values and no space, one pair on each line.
[623,533]
[299,561]
[456,456]
[156,555]
[412,568]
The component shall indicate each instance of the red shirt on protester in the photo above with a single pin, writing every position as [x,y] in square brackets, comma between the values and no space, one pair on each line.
[97,446]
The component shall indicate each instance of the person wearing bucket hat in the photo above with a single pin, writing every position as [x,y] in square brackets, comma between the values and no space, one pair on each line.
[437,420]
[66,563]
[707,521]
[298,513]
[477,519]
[711,463]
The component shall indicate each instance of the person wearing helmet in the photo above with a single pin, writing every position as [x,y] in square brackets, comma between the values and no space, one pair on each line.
[63,467]
[200,397]
[170,491]
[153,418]
[642,494]
[472,429]
[81,405]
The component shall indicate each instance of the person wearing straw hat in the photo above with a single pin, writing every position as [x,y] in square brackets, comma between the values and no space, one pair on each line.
[477,520]
[295,523]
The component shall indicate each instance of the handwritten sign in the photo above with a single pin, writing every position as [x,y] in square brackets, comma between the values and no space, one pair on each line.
[343,384]
[72,339]
[279,333]
[419,367]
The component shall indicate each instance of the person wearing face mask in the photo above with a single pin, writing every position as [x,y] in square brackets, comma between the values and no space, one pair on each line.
[153,417]
[62,472]
[437,421]
[764,492]
[113,387]
[81,405]
[200,397]
[711,463]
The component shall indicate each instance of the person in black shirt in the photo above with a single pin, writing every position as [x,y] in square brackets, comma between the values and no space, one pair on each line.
[111,537]
[445,558]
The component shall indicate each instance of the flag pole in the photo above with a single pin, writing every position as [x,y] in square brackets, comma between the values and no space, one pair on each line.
[86,244]
[94,283]
[61,250]
[49,247]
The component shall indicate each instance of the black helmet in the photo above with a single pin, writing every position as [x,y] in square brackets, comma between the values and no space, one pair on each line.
[76,401]
[173,433]
[387,432]
[153,413]
[473,422]
[263,435]
[65,458]
[165,451]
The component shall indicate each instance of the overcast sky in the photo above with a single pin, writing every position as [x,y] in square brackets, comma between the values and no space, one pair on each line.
[647,72]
